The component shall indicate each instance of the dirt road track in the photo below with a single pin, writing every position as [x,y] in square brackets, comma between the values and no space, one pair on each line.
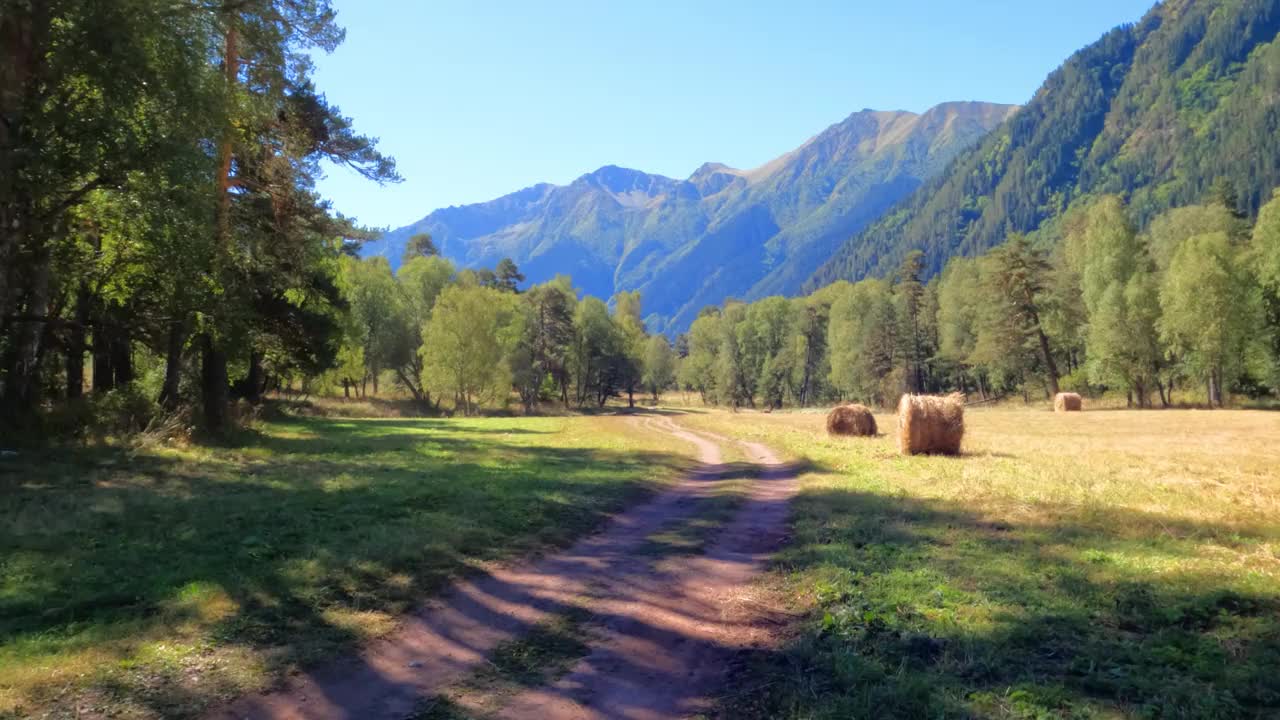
[666,636]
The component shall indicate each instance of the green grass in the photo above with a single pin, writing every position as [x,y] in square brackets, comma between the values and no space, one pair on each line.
[1102,565]
[153,583]
[689,536]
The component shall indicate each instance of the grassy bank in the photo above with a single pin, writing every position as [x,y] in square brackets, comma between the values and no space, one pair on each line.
[152,583]
[1106,564]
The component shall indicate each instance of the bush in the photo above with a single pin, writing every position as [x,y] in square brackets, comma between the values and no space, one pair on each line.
[127,412]
[1078,382]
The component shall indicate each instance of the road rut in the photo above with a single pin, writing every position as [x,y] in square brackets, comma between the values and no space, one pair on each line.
[666,632]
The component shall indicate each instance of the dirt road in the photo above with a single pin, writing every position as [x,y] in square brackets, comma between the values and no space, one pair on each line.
[665,630]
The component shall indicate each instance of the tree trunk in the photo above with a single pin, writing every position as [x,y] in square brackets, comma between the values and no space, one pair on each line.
[253,384]
[121,357]
[1047,356]
[23,37]
[76,345]
[173,366]
[413,387]
[104,376]
[214,390]
[1215,388]
[231,70]
[22,388]
[213,385]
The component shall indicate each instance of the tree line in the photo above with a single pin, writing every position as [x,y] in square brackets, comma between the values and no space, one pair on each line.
[474,339]
[161,242]
[1087,303]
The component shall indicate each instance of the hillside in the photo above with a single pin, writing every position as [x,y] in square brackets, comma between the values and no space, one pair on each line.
[721,232]
[1157,111]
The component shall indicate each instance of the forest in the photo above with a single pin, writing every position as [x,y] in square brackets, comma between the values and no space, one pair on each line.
[158,215]
[165,253]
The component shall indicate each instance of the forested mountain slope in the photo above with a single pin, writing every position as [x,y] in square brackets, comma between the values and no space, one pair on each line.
[720,233]
[1157,111]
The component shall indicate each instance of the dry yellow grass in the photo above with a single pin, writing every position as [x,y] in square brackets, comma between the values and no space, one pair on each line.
[1219,465]
[1141,547]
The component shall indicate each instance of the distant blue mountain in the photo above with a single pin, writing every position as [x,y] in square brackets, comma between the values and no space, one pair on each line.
[720,233]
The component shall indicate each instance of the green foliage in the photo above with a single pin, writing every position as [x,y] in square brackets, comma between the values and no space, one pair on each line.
[1208,310]
[597,356]
[1266,258]
[1266,242]
[466,342]
[1170,229]
[507,276]
[697,372]
[540,360]
[1118,286]
[957,312]
[420,245]
[158,169]
[864,343]
[659,366]
[630,353]
[1011,334]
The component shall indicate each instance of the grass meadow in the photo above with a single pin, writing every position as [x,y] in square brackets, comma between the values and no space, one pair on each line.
[151,583]
[1110,564]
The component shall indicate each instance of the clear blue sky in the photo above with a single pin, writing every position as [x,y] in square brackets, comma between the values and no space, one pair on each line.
[476,99]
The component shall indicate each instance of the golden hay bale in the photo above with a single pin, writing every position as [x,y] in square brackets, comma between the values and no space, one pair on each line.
[851,420]
[930,424]
[1067,402]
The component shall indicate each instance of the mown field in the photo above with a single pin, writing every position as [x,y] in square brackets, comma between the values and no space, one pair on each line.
[1112,564]
[151,583]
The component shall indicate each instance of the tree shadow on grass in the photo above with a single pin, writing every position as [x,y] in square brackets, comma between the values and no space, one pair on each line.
[102,545]
[935,609]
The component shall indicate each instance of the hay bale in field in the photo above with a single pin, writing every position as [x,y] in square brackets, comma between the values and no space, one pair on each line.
[851,421]
[1067,402]
[930,424]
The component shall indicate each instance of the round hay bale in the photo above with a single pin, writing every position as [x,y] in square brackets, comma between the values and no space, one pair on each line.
[1067,402]
[851,421]
[930,424]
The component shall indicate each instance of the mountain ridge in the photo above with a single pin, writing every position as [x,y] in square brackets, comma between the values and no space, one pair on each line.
[722,231]
[1157,111]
